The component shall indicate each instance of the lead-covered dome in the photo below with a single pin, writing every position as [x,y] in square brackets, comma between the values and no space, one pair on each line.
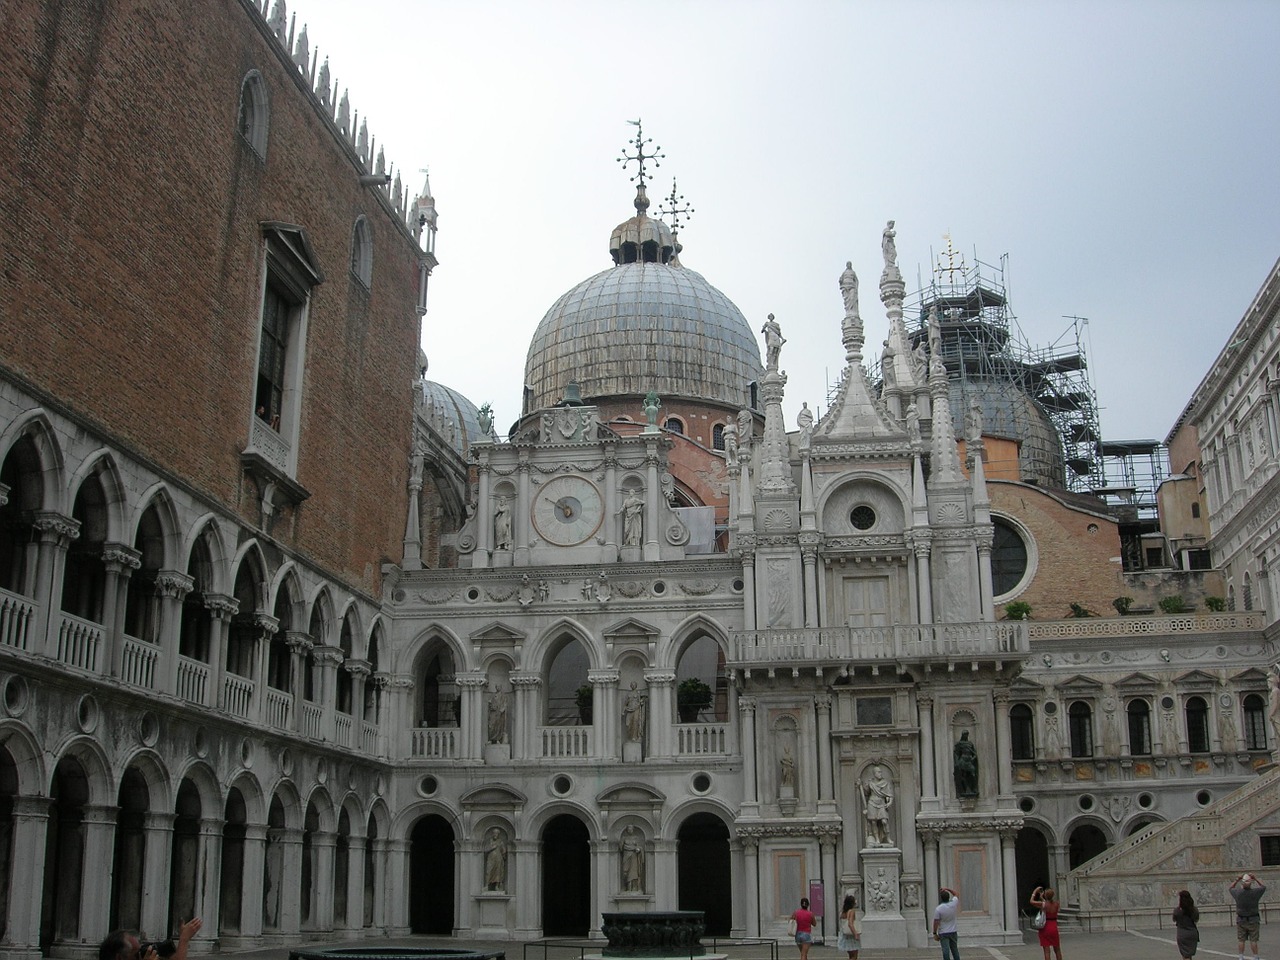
[646,323]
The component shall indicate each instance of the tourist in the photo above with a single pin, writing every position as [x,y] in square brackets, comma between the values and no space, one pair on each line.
[847,939]
[1185,918]
[802,927]
[126,945]
[1247,916]
[1046,900]
[946,926]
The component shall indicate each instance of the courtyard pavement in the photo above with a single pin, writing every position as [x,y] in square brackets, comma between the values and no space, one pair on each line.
[1148,944]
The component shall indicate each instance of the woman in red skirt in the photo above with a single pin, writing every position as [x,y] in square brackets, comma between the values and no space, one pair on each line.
[1045,900]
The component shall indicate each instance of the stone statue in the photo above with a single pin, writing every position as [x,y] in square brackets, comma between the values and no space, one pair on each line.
[731,444]
[973,421]
[497,716]
[888,373]
[631,848]
[919,362]
[1273,708]
[804,420]
[633,711]
[415,464]
[849,289]
[544,590]
[484,417]
[495,861]
[877,798]
[745,423]
[787,776]
[935,332]
[888,246]
[965,766]
[913,426]
[502,524]
[651,405]
[773,341]
[632,511]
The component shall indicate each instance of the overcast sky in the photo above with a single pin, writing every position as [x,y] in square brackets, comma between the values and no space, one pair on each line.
[1124,155]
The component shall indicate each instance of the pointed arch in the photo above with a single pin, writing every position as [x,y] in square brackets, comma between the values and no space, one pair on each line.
[429,636]
[28,758]
[101,464]
[539,653]
[685,633]
[49,463]
[158,499]
[207,529]
[321,619]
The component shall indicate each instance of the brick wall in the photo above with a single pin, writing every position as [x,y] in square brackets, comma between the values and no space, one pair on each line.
[130,288]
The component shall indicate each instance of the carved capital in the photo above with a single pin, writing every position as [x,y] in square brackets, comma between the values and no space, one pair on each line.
[357,668]
[172,585]
[602,678]
[121,556]
[221,606]
[298,641]
[530,680]
[266,625]
[746,704]
[55,526]
[326,654]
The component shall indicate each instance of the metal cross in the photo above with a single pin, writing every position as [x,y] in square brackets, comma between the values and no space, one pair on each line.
[670,209]
[640,156]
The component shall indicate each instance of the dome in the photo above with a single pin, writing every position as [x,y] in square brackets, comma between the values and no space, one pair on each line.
[1008,411]
[644,326]
[450,414]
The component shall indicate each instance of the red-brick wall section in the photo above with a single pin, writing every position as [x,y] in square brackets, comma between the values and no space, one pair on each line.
[131,274]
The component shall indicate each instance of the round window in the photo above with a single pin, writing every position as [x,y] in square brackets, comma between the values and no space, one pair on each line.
[1204,798]
[1085,802]
[701,782]
[1008,557]
[659,587]
[1146,800]
[428,786]
[1050,708]
[1026,804]
[561,785]
[862,517]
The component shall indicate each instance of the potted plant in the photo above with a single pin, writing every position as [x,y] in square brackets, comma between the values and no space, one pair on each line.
[1215,604]
[1079,611]
[1173,604]
[1018,610]
[692,697]
[586,702]
[1122,604]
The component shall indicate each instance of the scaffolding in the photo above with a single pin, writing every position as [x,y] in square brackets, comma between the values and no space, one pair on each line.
[1042,397]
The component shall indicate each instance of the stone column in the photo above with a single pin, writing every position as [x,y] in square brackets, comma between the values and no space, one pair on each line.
[55,533]
[985,589]
[527,856]
[255,852]
[30,827]
[932,881]
[157,855]
[653,494]
[360,671]
[828,837]
[222,609]
[290,885]
[665,883]
[1009,871]
[611,538]
[471,714]
[209,884]
[412,547]
[826,786]
[322,851]
[604,712]
[396,859]
[300,644]
[747,713]
[660,713]
[327,660]
[1004,766]
[484,512]
[264,628]
[928,763]
[751,882]
[355,882]
[924,578]
[748,588]
[120,561]
[810,557]
[524,733]
[602,878]
[1059,864]
[99,848]
[524,511]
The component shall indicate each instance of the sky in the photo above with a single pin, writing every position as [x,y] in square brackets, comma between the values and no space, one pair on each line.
[1122,154]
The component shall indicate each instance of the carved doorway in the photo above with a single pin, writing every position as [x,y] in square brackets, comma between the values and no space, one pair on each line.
[566,878]
[704,880]
[431,892]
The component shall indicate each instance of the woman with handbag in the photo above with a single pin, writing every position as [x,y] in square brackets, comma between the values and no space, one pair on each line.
[850,937]
[1046,902]
[802,928]
[1185,918]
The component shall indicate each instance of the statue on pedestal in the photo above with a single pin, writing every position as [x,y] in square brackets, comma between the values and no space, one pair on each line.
[497,725]
[631,847]
[773,341]
[495,861]
[877,798]
[633,714]
[965,772]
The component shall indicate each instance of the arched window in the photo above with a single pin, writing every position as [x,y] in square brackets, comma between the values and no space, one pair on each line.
[1139,712]
[717,437]
[362,252]
[1255,722]
[251,122]
[196,631]
[1195,510]
[1022,732]
[702,688]
[566,681]
[142,604]
[1080,728]
[1197,715]
[347,643]
[675,425]
[1009,557]
[85,577]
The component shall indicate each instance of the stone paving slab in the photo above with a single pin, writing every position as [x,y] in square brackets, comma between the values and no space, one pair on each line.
[1112,945]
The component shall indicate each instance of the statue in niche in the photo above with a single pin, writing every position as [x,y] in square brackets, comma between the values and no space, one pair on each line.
[787,775]
[965,767]
[497,725]
[651,405]
[632,511]
[973,421]
[1227,728]
[888,373]
[1110,731]
[877,799]
[731,444]
[849,289]
[804,420]
[1273,708]
[502,524]
[633,714]
[773,341]
[888,246]
[913,426]
[631,848]
[495,861]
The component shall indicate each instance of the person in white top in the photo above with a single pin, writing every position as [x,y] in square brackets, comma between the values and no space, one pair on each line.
[945,927]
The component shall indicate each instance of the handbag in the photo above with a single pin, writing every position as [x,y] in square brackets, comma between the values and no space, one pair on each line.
[857,928]
[791,926]
[1039,920]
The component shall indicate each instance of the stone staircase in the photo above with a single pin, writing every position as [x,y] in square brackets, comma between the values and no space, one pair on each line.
[1203,853]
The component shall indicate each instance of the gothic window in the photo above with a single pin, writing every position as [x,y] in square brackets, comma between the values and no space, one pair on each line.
[717,437]
[362,252]
[279,657]
[196,631]
[567,677]
[142,606]
[1139,712]
[243,636]
[21,473]
[1247,592]
[1195,510]
[1255,722]
[251,122]
[1197,717]
[701,665]
[675,425]
[345,686]
[85,578]
[1008,557]
[1022,732]
[1080,729]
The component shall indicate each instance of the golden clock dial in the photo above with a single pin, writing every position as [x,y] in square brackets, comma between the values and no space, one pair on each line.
[567,510]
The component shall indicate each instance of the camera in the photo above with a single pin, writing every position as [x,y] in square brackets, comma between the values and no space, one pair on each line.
[163,948]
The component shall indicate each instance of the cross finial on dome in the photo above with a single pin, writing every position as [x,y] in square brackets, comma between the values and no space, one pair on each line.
[640,156]
[671,207]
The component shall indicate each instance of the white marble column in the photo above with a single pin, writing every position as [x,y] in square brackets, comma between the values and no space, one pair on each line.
[664,893]
[826,787]
[171,588]
[611,519]
[661,712]
[528,861]
[395,857]
[221,609]
[323,846]
[932,881]
[985,587]
[827,841]
[255,851]
[924,578]
[290,881]
[1004,766]
[810,558]
[120,561]
[157,855]
[208,892]
[524,736]
[747,714]
[653,495]
[604,715]
[928,764]
[30,828]
[1009,871]
[484,512]
[751,884]
[524,511]
[99,848]
[355,883]
[748,590]
[55,533]
[602,878]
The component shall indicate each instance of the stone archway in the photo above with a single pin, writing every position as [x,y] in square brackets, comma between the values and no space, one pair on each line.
[704,877]
[1085,843]
[431,887]
[127,877]
[566,877]
[64,855]
[1031,855]
[234,833]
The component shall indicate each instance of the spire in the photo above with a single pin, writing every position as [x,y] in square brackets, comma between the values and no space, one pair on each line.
[641,239]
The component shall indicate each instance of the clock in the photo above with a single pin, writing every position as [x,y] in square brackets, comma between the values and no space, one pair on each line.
[568,510]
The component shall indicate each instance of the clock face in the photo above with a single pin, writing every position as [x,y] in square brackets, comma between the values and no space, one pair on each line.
[568,510]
